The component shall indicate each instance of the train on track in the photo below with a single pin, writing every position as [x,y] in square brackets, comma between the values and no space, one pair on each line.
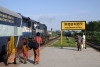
[19,26]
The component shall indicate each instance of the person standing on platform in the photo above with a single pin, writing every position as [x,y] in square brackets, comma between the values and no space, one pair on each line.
[23,40]
[83,40]
[79,42]
[10,50]
[25,52]
[37,39]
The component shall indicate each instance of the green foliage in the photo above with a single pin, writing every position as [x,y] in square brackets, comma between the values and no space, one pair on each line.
[93,26]
[95,34]
[65,42]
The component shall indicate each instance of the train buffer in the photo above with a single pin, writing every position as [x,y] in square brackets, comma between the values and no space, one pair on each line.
[66,57]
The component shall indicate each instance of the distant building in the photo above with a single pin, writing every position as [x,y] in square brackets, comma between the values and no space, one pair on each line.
[49,32]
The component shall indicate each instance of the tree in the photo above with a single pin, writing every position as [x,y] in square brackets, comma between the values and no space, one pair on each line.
[93,26]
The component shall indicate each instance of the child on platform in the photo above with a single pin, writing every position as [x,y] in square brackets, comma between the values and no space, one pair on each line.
[25,52]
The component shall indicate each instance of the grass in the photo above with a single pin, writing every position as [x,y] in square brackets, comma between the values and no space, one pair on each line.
[65,42]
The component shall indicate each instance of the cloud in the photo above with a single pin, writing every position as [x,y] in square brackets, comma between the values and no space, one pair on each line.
[46,19]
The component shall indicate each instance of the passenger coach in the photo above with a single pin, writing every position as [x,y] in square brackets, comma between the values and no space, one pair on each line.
[10,23]
[15,24]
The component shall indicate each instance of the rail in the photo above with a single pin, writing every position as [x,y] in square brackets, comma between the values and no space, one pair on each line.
[94,44]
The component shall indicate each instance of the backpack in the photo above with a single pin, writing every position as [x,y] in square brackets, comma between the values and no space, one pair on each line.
[33,45]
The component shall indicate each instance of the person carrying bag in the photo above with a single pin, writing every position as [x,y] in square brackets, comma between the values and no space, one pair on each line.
[33,45]
[37,41]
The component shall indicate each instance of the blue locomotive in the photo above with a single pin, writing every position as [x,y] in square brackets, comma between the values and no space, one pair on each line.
[15,24]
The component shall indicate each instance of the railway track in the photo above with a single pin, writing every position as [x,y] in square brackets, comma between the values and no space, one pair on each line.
[93,44]
[50,42]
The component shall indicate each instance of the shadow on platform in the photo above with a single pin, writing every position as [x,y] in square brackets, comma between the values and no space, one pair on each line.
[68,48]
[31,61]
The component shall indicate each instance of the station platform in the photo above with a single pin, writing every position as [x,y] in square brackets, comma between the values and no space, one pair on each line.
[66,57]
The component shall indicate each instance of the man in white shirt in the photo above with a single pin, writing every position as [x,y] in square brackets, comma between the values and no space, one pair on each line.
[83,40]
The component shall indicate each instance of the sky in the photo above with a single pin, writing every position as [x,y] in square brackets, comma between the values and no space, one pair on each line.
[52,12]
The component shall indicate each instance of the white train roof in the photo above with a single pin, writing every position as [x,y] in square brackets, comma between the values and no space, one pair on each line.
[7,11]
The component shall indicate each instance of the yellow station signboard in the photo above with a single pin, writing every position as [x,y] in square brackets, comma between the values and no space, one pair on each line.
[73,25]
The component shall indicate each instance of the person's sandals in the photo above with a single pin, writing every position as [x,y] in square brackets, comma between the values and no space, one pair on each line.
[7,64]
[21,61]
[37,62]
[25,62]
[34,63]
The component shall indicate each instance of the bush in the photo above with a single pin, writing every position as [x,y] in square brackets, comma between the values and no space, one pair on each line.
[95,34]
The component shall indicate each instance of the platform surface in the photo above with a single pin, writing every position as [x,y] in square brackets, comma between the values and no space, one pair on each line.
[66,57]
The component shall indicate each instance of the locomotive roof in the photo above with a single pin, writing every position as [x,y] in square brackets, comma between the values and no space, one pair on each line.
[23,16]
[43,24]
[33,21]
[7,11]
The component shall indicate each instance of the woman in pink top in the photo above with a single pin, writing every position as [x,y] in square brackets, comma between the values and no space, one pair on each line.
[37,39]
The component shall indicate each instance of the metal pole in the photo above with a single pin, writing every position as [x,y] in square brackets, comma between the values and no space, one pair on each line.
[61,38]
[51,32]
[85,38]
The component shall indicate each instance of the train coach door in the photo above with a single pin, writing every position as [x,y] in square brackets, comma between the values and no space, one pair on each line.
[73,25]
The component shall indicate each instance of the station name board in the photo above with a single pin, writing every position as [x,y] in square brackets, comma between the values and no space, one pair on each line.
[73,25]
[6,18]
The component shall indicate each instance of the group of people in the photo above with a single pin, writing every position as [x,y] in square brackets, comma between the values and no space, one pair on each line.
[12,50]
[80,40]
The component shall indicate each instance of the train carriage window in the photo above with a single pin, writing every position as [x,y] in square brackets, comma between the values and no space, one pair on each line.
[9,17]
[6,18]
[0,18]
[1,14]
[12,18]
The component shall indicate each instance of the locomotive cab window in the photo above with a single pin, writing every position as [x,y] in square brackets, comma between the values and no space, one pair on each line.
[28,24]
[32,25]
[24,20]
